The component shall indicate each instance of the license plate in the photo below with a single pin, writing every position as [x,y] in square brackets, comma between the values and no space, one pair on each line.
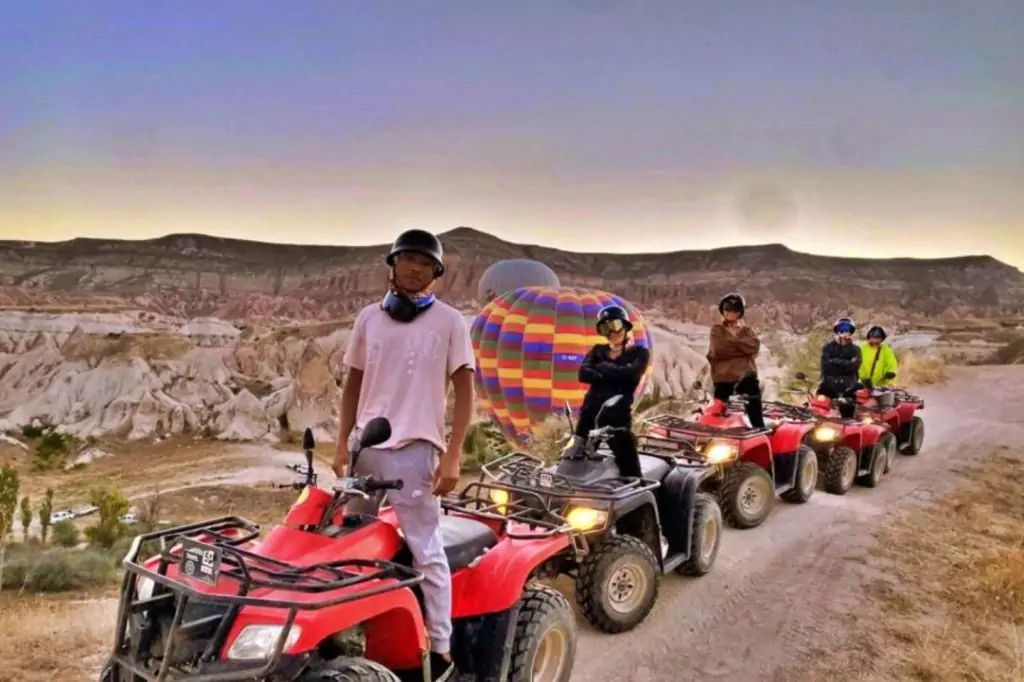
[200,562]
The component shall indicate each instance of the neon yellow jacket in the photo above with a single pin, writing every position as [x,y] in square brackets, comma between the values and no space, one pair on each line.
[886,363]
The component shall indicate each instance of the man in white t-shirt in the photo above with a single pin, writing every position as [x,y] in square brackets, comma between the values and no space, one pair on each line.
[401,356]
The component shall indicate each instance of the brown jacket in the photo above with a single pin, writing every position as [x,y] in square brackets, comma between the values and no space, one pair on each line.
[732,356]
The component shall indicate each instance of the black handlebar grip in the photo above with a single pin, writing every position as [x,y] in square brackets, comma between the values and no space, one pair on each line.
[386,485]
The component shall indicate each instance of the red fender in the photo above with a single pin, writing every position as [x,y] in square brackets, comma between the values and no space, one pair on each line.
[496,582]
[788,436]
[757,451]
[308,508]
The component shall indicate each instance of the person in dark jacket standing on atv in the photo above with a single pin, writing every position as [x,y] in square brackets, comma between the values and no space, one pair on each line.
[402,354]
[732,349]
[613,368]
[840,364]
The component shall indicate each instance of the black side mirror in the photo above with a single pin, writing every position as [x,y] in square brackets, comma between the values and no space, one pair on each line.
[890,375]
[697,385]
[801,376]
[308,443]
[376,431]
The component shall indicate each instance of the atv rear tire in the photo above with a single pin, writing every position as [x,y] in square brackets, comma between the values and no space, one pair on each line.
[618,584]
[705,536]
[747,495]
[350,670]
[916,439]
[889,439]
[806,476]
[879,459]
[545,643]
[840,470]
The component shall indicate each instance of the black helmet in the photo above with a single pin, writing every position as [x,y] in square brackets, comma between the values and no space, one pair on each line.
[422,242]
[732,302]
[877,330]
[844,322]
[606,320]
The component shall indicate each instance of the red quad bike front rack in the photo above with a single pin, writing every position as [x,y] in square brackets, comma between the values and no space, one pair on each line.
[190,642]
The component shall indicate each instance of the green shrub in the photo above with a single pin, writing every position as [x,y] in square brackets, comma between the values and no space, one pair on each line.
[484,442]
[65,534]
[31,431]
[57,569]
[51,450]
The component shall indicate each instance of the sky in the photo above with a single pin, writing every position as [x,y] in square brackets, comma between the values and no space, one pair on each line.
[848,127]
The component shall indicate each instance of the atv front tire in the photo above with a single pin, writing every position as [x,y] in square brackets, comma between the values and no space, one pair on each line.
[916,439]
[618,584]
[879,459]
[545,643]
[347,669]
[806,476]
[705,536]
[747,495]
[890,449]
[840,470]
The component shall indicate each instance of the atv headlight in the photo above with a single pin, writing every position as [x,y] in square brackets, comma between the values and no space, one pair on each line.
[586,518]
[826,433]
[257,641]
[717,453]
[500,498]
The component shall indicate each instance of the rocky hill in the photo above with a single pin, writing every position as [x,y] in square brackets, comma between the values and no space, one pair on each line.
[196,275]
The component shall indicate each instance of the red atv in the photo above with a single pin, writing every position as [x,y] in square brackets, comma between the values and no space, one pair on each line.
[332,597]
[754,465]
[898,409]
[854,450]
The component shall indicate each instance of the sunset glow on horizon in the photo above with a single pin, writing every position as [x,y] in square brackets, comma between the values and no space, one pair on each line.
[869,131]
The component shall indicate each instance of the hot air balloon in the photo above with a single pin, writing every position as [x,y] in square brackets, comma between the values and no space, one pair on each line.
[509,275]
[529,344]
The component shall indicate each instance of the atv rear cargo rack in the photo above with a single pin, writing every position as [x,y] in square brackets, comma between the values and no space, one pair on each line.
[799,413]
[683,438]
[525,473]
[191,646]
[903,396]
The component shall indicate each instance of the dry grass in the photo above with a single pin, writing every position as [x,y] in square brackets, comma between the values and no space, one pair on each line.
[54,639]
[921,370]
[263,504]
[951,602]
[147,346]
[549,437]
[959,605]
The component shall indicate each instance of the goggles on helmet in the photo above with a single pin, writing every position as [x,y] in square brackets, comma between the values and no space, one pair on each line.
[609,327]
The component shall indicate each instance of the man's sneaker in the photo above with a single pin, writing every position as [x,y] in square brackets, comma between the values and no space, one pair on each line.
[440,669]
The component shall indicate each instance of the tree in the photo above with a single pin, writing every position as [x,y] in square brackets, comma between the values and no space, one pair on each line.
[112,505]
[9,486]
[45,511]
[26,516]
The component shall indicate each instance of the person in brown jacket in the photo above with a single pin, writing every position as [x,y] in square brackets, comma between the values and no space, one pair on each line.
[731,352]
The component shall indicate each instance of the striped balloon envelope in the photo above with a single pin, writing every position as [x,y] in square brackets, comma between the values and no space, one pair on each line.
[529,344]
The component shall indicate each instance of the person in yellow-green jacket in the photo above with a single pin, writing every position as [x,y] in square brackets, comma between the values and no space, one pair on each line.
[877,359]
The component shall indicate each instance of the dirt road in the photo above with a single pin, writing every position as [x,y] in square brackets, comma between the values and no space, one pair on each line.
[780,591]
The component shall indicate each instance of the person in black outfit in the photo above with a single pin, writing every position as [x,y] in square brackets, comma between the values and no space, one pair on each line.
[840,364]
[613,368]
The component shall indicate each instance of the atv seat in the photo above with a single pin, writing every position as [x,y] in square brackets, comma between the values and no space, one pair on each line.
[464,540]
[653,468]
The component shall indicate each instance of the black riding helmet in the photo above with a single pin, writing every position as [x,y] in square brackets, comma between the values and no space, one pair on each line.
[878,331]
[844,322]
[421,242]
[733,302]
[612,319]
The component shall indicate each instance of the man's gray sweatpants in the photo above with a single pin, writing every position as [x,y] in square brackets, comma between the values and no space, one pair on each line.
[419,515]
